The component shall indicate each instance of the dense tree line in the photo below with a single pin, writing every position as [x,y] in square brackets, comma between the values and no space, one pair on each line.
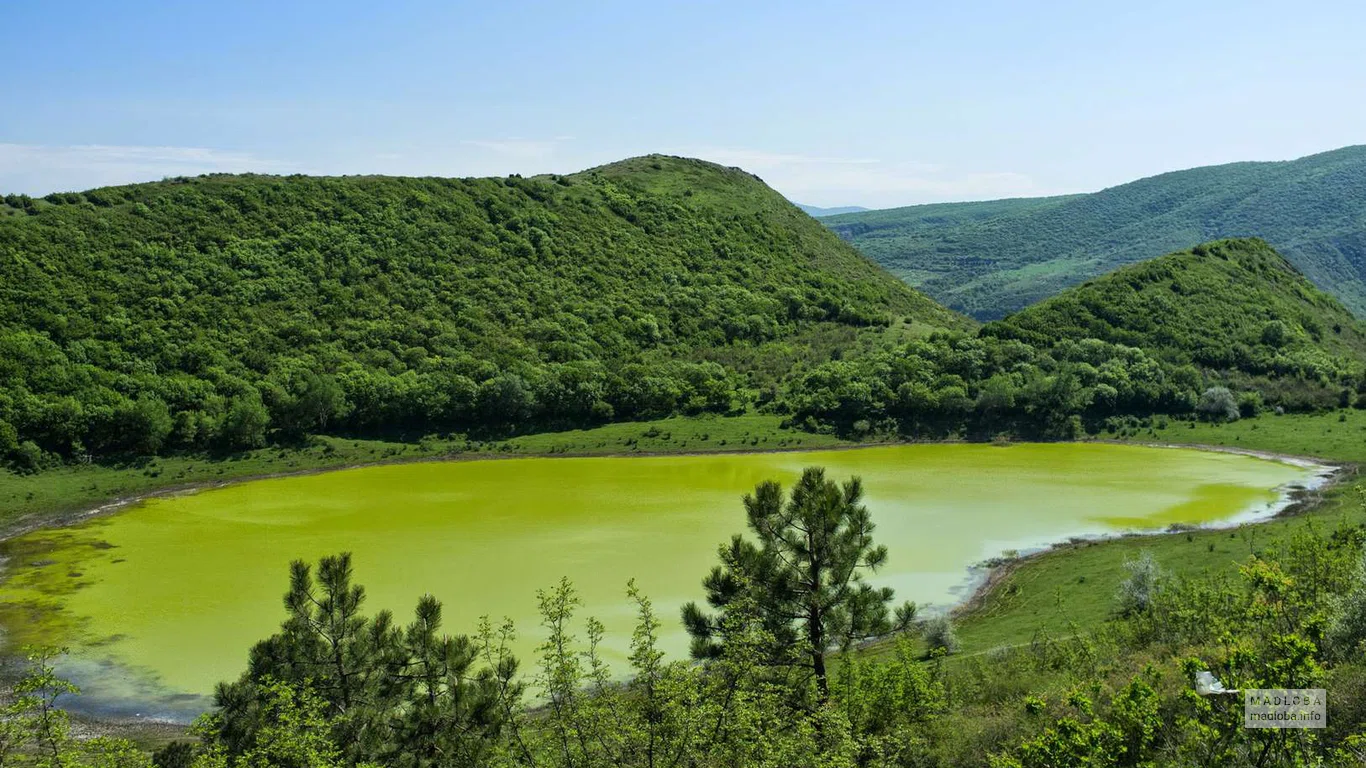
[222,311]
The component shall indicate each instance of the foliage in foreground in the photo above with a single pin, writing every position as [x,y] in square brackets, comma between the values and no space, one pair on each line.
[36,733]
[804,580]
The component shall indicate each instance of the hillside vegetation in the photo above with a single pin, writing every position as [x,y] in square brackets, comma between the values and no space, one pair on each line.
[218,311]
[990,259]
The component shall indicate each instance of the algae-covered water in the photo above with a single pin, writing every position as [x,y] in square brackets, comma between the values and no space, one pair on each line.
[166,597]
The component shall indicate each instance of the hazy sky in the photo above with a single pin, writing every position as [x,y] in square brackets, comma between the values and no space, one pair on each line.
[837,103]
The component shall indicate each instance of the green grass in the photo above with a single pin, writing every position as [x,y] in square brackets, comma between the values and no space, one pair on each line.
[31,498]
[706,434]
[1337,435]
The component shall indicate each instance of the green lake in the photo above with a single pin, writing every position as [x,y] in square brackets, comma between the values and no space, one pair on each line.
[164,598]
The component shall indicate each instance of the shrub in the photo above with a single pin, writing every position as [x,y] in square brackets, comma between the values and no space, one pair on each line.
[1347,632]
[1136,593]
[1218,404]
[940,634]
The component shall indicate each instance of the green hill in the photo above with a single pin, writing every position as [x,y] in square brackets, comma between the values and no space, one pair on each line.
[1151,338]
[1226,305]
[214,311]
[990,259]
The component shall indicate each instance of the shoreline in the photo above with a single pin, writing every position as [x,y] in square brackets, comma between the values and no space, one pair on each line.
[63,519]
[1296,499]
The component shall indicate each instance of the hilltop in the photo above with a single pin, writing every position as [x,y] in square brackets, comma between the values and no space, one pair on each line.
[215,311]
[990,259]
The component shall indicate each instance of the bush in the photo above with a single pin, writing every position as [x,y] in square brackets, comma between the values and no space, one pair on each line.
[1250,404]
[1145,581]
[1218,404]
[1347,632]
[940,634]
[28,457]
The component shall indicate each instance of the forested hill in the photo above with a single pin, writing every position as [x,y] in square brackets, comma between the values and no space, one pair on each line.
[990,259]
[1224,330]
[218,310]
[1226,305]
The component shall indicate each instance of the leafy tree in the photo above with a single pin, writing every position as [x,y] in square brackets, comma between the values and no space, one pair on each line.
[311,404]
[1347,632]
[9,439]
[294,733]
[940,634]
[245,423]
[35,731]
[144,425]
[805,573]
[727,711]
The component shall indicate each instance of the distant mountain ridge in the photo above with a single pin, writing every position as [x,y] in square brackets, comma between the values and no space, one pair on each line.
[818,212]
[988,259]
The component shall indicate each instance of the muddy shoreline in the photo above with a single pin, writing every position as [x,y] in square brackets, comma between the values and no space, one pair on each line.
[1298,500]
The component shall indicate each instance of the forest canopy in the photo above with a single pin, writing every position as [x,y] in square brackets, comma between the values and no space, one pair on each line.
[221,311]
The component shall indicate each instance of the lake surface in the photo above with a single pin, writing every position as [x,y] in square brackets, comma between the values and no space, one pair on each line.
[162,600]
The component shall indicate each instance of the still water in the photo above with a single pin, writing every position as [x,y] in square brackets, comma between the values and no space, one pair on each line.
[160,601]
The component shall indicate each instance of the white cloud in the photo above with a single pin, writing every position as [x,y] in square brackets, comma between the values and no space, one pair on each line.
[519,148]
[39,168]
[751,159]
[824,180]
[814,179]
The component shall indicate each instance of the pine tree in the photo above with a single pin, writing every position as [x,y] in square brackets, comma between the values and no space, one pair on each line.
[805,574]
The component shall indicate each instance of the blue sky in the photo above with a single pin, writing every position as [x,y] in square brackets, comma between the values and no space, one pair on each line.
[875,104]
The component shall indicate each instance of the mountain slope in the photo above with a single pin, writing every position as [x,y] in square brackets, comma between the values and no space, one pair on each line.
[212,311]
[989,259]
[1227,305]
